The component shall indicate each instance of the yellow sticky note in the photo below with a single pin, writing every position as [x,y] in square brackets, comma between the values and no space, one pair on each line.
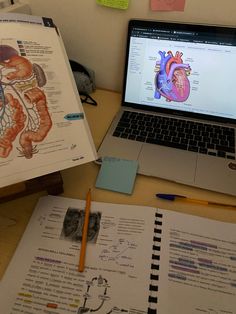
[117,4]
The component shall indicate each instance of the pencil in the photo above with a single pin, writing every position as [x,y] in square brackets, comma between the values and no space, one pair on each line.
[84,234]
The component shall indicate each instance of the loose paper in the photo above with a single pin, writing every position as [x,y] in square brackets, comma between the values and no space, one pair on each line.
[116,4]
[167,5]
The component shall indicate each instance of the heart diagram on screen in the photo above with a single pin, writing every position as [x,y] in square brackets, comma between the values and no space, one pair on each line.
[171,77]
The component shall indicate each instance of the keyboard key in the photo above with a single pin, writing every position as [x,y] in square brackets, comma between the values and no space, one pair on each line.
[193,149]
[169,144]
[221,154]
[212,153]
[141,138]
[116,133]
[225,148]
[201,144]
[210,146]
[202,150]
[124,135]
[131,137]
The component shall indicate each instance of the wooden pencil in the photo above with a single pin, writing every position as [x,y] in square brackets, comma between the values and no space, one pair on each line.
[85,232]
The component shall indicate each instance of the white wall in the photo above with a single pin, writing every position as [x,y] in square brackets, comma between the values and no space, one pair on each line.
[95,35]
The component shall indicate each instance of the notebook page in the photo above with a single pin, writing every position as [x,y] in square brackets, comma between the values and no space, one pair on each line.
[43,275]
[197,265]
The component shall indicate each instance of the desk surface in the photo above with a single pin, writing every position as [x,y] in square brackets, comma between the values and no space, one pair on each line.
[14,215]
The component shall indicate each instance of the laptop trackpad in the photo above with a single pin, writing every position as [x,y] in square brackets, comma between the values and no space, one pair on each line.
[171,164]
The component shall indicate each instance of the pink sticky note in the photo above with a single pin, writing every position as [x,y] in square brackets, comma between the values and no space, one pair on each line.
[167,5]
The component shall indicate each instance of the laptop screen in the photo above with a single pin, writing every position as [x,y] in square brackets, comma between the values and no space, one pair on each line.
[182,69]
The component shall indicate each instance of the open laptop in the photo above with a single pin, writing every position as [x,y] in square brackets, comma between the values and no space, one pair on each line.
[178,113]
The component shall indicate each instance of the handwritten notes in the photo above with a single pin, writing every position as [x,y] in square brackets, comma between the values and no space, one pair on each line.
[167,5]
[116,4]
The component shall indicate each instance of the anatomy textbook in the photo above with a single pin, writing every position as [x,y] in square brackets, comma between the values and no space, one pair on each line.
[42,124]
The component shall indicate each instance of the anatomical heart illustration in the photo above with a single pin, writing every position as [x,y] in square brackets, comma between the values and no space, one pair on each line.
[171,78]
[24,116]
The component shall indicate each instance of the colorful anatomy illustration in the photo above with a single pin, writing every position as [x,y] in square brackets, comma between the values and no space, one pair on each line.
[171,79]
[24,115]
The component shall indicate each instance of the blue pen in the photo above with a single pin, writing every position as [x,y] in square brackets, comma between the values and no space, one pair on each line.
[176,197]
[168,197]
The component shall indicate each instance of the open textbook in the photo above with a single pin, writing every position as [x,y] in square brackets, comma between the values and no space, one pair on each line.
[42,124]
[139,260]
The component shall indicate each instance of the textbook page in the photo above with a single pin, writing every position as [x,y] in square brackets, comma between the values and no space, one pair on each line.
[43,128]
[198,265]
[43,275]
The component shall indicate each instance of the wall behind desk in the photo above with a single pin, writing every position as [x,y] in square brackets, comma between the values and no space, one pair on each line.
[95,36]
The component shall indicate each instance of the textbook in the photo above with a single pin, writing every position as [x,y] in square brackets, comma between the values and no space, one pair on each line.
[138,260]
[43,127]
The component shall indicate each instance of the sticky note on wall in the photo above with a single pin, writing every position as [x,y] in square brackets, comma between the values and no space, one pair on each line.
[167,5]
[116,4]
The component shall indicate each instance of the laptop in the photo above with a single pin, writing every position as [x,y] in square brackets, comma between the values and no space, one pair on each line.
[178,111]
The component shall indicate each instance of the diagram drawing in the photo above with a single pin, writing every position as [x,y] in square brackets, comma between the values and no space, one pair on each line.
[24,116]
[119,253]
[97,292]
[171,77]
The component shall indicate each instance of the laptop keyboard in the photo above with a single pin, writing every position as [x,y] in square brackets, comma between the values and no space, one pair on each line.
[181,134]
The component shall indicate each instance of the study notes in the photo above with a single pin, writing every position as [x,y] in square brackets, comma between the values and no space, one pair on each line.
[139,260]
[43,128]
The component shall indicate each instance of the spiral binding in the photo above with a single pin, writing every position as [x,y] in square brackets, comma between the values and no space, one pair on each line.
[154,276]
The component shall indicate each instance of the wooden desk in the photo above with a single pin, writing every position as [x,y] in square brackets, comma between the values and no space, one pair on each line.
[14,215]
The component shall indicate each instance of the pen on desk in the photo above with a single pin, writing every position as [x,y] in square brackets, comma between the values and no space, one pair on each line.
[85,232]
[174,197]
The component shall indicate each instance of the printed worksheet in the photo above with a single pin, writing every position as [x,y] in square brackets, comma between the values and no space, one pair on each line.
[43,276]
[139,260]
[198,265]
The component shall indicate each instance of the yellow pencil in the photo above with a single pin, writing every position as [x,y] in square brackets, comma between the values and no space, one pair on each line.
[85,231]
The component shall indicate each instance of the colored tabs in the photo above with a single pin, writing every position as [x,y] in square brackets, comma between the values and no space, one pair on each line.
[26,295]
[74,116]
[52,305]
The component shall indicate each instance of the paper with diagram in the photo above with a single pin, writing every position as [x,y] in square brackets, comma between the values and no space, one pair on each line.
[42,124]
[139,260]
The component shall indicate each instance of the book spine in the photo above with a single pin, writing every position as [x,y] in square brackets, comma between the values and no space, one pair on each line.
[155,265]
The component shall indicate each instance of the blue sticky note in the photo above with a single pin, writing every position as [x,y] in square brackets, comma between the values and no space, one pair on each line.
[117,175]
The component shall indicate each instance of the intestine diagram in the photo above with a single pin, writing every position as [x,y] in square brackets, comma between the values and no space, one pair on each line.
[171,77]
[24,116]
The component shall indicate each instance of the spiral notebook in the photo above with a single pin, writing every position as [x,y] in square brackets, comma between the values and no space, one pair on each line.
[139,260]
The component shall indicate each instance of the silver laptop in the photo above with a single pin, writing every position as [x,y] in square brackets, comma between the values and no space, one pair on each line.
[178,113]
